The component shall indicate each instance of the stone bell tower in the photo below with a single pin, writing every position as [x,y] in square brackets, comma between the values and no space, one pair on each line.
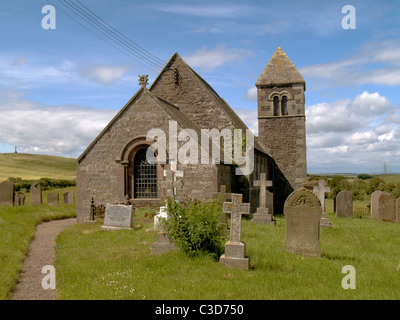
[281,124]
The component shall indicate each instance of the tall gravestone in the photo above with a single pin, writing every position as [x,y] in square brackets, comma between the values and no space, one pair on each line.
[118,216]
[344,204]
[263,215]
[398,210]
[234,256]
[375,203]
[36,194]
[302,211]
[387,207]
[7,193]
[320,190]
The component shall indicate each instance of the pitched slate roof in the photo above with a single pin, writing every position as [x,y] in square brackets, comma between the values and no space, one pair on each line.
[280,70]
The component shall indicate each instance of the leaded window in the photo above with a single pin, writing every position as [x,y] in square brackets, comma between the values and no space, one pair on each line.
[145,176]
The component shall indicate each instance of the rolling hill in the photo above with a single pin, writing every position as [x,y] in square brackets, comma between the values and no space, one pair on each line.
[34,166]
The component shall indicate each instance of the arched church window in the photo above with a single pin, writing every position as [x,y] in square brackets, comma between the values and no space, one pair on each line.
[145,176]
[276,106]
[284,106]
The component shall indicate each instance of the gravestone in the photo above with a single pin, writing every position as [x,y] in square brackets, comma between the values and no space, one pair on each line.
[36,194]
[118,216]
[52,198]
[19,198]
[398,210]
[262,215]
[387,207]
[7,193]
[344,204]
[320,190]
[161,215]
[69,197]
[234,256]
[375,203]
[302,211]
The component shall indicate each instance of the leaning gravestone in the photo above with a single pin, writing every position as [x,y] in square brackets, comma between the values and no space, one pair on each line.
[344,204]
[303,211]
[36,194]
[118,216]
[52,198]
[387,207]
[69,197]
[375,203]
[7,193]
[234,256]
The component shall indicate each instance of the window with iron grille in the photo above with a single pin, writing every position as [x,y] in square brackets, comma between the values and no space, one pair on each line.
[145,176]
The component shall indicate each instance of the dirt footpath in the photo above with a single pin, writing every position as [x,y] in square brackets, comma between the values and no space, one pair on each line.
[41,253]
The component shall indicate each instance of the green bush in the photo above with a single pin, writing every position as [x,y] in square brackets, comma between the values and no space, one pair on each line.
[194,226]
[45,183]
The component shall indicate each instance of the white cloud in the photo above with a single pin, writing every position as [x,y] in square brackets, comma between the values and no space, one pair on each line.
[251,94]
[208,60]
[353,135]
[105,74]
[210,11]
[56,130]
[376,63]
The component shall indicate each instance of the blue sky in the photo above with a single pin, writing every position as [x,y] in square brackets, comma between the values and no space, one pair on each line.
[60,87]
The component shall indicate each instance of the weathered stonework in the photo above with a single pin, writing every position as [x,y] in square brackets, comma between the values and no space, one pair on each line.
[283,135]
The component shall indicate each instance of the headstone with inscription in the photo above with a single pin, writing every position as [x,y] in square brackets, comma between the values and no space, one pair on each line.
[344,204]
[69,198]
[234,256]
[387,207]
[52,198]
[375,203]
[7,193]
[118,216]
[302,211]
[263,215]
[36,194]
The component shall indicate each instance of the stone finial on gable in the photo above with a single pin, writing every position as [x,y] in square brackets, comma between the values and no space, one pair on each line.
[144,80]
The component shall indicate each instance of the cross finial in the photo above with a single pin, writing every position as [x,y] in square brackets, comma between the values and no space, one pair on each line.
[144,80]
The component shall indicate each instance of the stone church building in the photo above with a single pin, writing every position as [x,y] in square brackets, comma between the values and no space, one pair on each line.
[114,167]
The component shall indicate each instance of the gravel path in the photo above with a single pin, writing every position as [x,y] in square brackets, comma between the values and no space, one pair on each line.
[41,253]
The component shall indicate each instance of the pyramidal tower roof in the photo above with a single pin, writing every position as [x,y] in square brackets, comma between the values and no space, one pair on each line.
[280,70]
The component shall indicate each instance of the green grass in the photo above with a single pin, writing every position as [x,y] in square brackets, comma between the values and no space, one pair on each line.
[34,166]
[96,264]
[390,178]
[17,229]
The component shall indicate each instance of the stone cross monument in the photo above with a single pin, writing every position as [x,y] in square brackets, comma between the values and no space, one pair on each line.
[320,190]
[234,256]
[263,215]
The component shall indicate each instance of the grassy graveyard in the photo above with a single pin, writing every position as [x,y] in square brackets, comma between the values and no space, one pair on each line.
[96,264]
[17,229]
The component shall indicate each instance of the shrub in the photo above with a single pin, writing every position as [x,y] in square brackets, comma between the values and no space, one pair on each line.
[364,176]
[194,226]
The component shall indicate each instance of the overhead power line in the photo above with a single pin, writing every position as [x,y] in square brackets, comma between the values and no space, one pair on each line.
[118,40]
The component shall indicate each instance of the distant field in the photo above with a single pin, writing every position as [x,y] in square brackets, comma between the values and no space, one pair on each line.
[34,166]
[390,178]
